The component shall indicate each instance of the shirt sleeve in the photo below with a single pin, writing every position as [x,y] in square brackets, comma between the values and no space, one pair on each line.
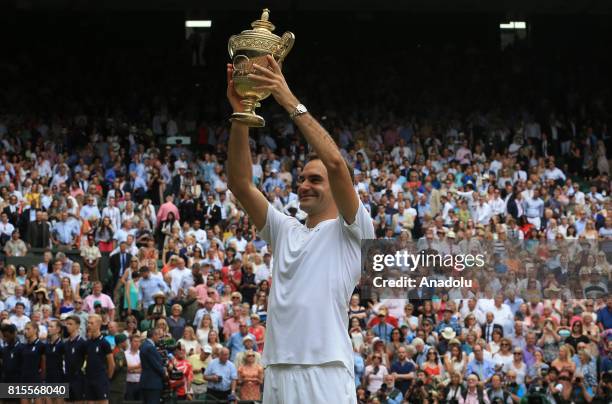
[362,227]
[209,370]
[106,348]
[275,222]
[111,304]
[233,373]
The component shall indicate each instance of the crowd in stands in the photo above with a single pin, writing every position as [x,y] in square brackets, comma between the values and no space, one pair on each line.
[141,230]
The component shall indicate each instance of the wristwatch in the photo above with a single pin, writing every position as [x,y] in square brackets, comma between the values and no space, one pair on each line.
[299,110]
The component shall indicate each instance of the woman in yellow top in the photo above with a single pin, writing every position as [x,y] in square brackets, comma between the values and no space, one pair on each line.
[33,197]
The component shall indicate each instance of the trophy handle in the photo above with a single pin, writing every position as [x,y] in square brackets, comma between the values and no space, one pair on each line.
[286,44]
[229,46]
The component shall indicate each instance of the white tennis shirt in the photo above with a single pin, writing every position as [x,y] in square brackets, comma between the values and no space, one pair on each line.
[314,274]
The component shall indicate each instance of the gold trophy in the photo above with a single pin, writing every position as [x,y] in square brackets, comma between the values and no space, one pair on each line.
[251,47]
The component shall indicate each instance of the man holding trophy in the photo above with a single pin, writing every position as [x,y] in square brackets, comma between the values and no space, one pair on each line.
[308,352]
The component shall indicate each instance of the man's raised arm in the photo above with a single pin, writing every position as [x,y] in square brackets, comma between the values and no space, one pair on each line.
[324,146]
[240,164]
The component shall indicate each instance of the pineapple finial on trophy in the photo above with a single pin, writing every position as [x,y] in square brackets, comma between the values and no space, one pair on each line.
[252,47]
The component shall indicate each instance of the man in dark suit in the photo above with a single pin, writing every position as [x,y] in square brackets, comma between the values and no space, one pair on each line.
[27,216]
[212,212]
[38,233]
[118,263]
[153,372]
[178,180]
[135,186]
[515,205]
[187,208]
[12,211]
[489,326]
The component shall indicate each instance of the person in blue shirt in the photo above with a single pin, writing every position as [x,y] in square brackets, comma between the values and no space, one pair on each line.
[604,315]
[64,232]
[383,329]
[236,341]
[448,321]
[221,375]
[480,366]
[148,287]
[403,370]
[273,181]
[606,362]
[516,390]
[388,393]
[359,366]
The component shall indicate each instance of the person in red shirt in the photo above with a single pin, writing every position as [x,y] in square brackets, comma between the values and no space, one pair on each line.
[232,274]
[181,374]
[383,315]
[258,330]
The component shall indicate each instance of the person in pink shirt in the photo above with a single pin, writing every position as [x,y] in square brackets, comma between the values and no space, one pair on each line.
[232,324]
[166,208]
[97,296]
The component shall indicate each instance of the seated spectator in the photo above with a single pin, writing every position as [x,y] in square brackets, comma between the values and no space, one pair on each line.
[15,247]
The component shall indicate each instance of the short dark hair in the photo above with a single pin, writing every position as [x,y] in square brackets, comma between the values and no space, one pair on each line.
[313,156]
[8,328]
[74,318]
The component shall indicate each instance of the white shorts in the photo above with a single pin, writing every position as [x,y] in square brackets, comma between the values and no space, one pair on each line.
[309,384]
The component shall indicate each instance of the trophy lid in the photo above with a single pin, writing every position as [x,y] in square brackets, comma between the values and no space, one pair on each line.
[260,38]
[263,24]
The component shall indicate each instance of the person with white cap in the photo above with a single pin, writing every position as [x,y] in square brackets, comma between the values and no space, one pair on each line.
[249,347]
[199,362]
[237,341]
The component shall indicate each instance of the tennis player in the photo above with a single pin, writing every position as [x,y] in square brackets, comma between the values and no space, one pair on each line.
[308,353]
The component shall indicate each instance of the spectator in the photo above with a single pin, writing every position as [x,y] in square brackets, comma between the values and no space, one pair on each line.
[250,377]
[15,247]
[99,298]
[374,374]
[237,339]
[177,323]
[189,342]
[221,375]
[181,374]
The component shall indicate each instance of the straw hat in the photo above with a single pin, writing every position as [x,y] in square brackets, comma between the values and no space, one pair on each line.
[448,333]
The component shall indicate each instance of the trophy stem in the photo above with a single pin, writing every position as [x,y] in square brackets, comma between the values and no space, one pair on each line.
[248,116]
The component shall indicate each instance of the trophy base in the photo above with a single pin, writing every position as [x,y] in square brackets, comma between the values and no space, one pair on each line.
[249,119]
